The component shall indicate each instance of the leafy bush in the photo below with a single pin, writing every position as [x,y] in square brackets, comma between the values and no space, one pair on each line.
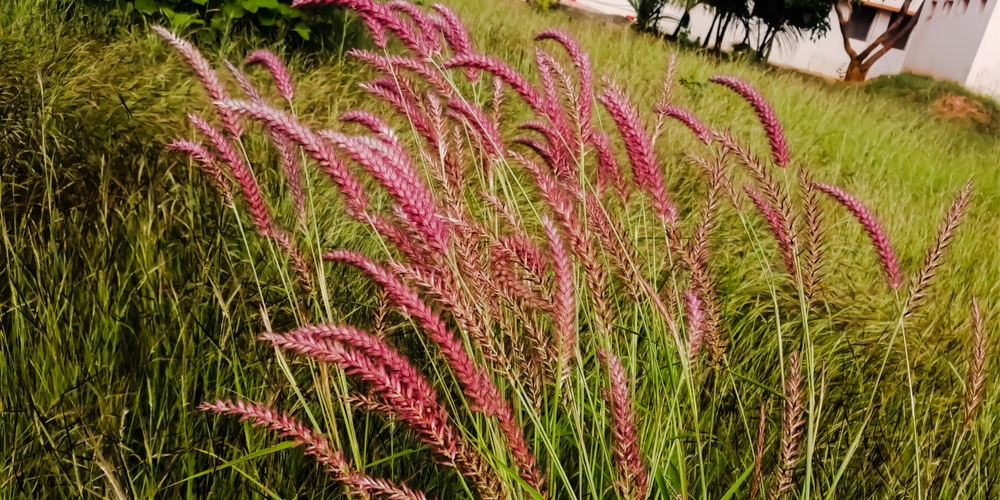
[648,14]
[219,15]
[567,328]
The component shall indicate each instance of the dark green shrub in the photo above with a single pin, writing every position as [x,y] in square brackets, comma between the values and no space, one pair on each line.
[221,15]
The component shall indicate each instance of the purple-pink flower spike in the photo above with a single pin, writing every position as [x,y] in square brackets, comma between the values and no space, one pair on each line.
[779,227]
[284,125]
[639,147]
[315,445]
[695,315]
[688,119]
[278,70]
[634,479]
[582,62]
[502,70]
[886,254]
[208,163]
[206,75]
[775,133]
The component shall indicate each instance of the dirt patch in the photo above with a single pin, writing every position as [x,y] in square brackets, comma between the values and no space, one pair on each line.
[962,108]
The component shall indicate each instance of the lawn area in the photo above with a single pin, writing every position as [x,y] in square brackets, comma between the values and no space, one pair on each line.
[130,292]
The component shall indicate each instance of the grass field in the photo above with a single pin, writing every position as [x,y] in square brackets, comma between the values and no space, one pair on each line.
[129,294]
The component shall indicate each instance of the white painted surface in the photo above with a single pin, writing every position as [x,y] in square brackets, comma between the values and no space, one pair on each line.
[946,42]
[984,76]
[824,56]
[955,39]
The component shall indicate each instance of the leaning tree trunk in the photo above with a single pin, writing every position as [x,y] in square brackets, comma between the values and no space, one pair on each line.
[856,72]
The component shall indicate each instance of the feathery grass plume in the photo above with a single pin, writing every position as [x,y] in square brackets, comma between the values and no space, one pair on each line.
[398,92]
[775,133]
[553,150]
[581,60]
[791,428]
[429,35]
[243,81]
[756,488]
[289,155]
[486,130]
[564,302]
[548,68]
[283,124]
[259,213]
[393,66]
[617,247]
[609,173]
[445,291]
[503,70]
[394,170]
[558,201]
[398,387]
[696,256]
[665,95]
[669,79]
[779,227]
[206,75]
[483,394]
[886,254]
[688,119]
[811,252]
[372,122]
[695,316]
[633,478]
[975,385]
[316,445]
[773,191]
[639,147]
[208,163]
[935,255]
[453,30]
[279,72]
[497,100]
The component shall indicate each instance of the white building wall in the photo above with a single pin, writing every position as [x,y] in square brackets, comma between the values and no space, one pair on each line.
[946,41]
[984,76]
[825,56]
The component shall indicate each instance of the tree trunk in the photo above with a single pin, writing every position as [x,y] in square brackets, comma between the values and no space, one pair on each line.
[711,29]
[721,34]
[856,72]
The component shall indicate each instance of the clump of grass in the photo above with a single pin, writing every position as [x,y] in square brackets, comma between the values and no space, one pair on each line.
[519,249]
[132,296]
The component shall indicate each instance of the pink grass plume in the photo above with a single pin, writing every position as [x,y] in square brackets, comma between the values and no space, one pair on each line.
[633,480]
[688,119]
[283,124]
[564,301]
[208,163]
[886,254]
[206,75]
[695,315]
[282,78]
[315,444]
[772,127]
[584,104]
[501,69]
[639,147]
[778,225]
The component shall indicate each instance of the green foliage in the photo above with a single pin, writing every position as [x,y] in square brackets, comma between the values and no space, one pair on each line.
[218,15]
[648,14]
[545,5]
